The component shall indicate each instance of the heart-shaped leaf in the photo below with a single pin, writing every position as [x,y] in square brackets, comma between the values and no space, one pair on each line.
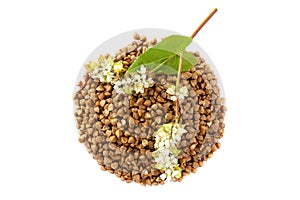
[164,56]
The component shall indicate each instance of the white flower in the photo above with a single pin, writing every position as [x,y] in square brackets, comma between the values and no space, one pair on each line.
[176,137]
[176,174]
[136,78]
[103,69]
[150,81]
[161,133]
[117,87]
[101,77]
[166,152]
[168,172]
[108,76]
[144,78]
[146,81]
[127,89]
[171,90]
[177,132]
[137,82]
[160,144]
[173,98]
[138,87]
[167,127]
[93,65]
[181,130]
[159,159]
[174,129]
[166,139]
[174,160]
[118,67]
[106,67]
[142,70]
[109,61]
[167,144]
[126,81]
[163,176]
[183,92]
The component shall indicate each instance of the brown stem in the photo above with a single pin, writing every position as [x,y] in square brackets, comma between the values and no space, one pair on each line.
[177,109]
[204,22]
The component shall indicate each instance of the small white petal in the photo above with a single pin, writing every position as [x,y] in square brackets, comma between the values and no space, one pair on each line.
[167,144]
[173,98]
[183,92]
[150,81]
[174,129]
[128,81]
[182,130]
[171,90]
[161,144]
[137,78]
[146,84]
[101,77]
[142,70]
[144,77]
[176,174]
[168,172]
[163,177]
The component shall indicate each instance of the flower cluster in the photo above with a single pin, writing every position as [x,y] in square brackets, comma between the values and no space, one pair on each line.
[105,69]
[137,83]
[183,92]
[166,139]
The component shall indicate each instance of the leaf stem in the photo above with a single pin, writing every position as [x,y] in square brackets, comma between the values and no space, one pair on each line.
[177,112]
[179,71]
[204,22]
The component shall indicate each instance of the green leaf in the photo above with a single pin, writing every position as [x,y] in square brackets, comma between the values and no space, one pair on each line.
[164,57]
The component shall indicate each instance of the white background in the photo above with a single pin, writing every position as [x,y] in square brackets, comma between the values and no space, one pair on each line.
[254,44]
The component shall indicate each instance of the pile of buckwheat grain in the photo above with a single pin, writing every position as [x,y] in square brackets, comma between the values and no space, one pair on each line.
[118,129]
